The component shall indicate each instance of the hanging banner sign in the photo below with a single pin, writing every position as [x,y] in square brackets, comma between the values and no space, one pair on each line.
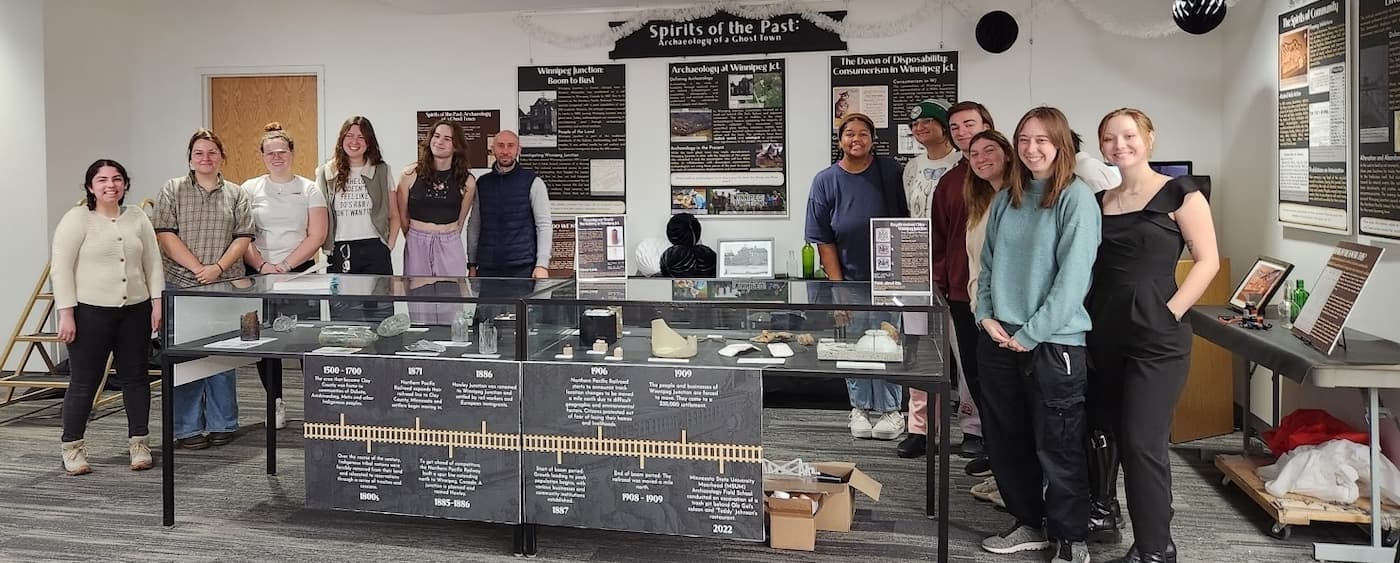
[727,34]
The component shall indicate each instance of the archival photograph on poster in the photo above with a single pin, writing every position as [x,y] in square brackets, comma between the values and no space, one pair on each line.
[885,87]
[1378,119]
[573,133]
[728,132]
[1313,141]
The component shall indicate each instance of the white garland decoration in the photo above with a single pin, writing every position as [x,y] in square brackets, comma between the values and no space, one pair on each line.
[926,10]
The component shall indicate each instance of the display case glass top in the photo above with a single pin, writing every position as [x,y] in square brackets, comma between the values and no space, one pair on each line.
[352,287]
[756,294]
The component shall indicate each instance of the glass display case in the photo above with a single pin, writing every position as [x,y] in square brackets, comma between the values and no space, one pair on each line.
[799,327]
[285,316]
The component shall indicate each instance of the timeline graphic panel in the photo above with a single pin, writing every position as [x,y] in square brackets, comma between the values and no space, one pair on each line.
[662,449]
[413,435]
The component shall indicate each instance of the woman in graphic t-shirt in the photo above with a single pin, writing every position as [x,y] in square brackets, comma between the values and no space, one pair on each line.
[358,187]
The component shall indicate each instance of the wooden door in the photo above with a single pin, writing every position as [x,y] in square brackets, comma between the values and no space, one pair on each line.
[1207,405]
[241,105]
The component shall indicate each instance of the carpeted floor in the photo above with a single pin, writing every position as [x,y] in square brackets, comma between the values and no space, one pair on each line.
[229,510]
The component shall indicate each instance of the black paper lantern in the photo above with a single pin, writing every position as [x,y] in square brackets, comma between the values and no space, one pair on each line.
[1198,17]
[996,31]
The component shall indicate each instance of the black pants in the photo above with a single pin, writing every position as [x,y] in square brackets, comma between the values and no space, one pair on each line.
[124,332]
[364,256]
[1033,419]
[270,369]
[966,332]
[1141,356]
[517,271]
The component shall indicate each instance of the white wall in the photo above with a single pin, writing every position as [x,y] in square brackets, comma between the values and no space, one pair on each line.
[138,98]
[1249,200]
[24,191]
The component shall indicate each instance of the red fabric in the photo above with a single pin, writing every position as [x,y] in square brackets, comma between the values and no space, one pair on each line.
[950,234]
[1308,427]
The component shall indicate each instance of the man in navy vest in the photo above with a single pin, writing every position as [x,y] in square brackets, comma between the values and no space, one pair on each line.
[509,234]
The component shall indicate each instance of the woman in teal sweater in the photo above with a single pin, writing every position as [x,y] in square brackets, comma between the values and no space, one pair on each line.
[1037,262]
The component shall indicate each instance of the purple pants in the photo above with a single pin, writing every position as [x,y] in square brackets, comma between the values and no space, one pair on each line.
[433,254]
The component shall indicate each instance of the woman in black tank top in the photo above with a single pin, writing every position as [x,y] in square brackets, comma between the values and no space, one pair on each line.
[435,194]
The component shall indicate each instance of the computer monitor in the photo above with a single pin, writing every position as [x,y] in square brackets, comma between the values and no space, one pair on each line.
[1171,168]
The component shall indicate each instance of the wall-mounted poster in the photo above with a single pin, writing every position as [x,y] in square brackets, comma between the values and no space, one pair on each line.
[1378,119]
[479,126]
[561,256]
[1313,190]
[728,129]
[573,133]
[601,244]
[886,88]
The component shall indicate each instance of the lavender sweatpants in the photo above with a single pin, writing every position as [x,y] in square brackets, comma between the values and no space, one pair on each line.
[433,254]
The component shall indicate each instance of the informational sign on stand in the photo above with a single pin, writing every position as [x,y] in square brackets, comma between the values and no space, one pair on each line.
[1312,118]
[479,126]
[670,450]
[601,242]
[562,250]
[728,130]
[901,256]
[573,133]
[1335,293]
[1378,118]
[413,435]
[886,88]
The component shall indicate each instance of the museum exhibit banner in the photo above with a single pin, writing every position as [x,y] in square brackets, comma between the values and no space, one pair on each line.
[413,435]
[886,88]
[728,131]
[727,34]
[660,449]
[1378,118]
[601,247]
[901,256]
[573,133]
[1313,180]
[479,127]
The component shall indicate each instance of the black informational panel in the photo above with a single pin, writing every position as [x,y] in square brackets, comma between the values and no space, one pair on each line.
[662,449]
[413,435]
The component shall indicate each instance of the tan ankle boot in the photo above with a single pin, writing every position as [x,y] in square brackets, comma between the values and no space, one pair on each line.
[75,458]
[140,453]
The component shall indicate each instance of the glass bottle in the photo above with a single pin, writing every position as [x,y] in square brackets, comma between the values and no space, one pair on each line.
[1299,298]
[809,260]
[486,337]
[1285,312]
[793,266]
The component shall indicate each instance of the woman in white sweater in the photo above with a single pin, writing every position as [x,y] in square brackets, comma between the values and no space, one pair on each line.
[107,278]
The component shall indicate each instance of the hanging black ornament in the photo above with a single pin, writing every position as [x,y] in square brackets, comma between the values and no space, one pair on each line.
[1198,17]
[996,31]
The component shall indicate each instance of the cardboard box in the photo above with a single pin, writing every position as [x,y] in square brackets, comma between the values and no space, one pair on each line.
[792,523]
[837,505]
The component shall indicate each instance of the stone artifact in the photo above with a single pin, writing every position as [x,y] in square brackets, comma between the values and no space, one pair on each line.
[600,346]
[667,343]
[394,325]
[350,336]
[425,346]
[567,351]
[806,339]
[617,352]
[284,323]
[249,327]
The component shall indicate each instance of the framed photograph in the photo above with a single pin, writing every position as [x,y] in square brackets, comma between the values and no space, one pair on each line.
[1259,284]
[745,258]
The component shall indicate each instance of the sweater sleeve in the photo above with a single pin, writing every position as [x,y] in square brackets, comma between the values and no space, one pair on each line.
[984,275]
[63,264]
[150,259]
[944,218]
[544,226]
[1076,248]
[167,219]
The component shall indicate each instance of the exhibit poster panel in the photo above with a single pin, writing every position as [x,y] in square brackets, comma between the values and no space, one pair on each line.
[478,126]
[1335,293]
[601,243]
[723,33]
[886,88]
[562,249]
[901,256]
[573,133]
[1378,118]
[661,449]
[413,435]
[1313,191]
[728,131]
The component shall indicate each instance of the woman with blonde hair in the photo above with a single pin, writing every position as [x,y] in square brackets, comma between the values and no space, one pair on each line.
[1041,239]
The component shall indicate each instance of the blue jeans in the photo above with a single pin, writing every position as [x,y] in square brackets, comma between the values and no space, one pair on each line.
[875,395]
[207,405]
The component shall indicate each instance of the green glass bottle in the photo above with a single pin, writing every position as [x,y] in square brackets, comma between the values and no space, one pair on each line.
[1299,298]
[809,260]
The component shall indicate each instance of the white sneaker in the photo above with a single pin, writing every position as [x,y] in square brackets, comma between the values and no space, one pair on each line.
[889,427]
[140,447]
[985,489]
[281,415]
[860,424]
[75,458]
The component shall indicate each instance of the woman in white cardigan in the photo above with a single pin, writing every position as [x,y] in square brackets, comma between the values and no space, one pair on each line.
[107,277]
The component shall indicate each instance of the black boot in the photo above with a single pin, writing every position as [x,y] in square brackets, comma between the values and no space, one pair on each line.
[1105,515]
[1167,555]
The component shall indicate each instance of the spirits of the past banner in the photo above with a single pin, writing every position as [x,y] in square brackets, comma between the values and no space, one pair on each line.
[728,130]
[1313,189]
[573,133]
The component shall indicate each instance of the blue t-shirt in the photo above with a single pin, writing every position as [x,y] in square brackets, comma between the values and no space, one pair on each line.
[841,204]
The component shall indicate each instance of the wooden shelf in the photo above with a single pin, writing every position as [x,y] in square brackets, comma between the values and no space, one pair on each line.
[1294,509]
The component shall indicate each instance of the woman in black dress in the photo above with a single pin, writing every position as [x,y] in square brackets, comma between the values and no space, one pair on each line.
[1139,347]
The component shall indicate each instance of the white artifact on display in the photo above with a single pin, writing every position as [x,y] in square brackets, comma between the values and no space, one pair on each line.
[600,346]
[667,343]
[736,348]
[876,345]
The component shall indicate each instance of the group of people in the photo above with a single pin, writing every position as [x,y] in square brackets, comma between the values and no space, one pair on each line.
[110,262]
[1066,317]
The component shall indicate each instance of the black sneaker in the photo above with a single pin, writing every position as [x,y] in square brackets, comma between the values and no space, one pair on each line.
[196,442]
[914,445]
[220,438]
[979,467]
[971,447]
